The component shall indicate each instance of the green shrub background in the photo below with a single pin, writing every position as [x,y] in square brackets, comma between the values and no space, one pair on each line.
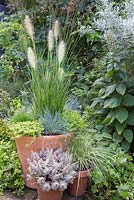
[10,169]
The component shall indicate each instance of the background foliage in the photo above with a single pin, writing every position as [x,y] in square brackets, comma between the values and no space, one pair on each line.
[102,82]
[10,169]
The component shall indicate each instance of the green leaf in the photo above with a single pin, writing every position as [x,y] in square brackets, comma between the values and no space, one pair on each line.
[128,135]
[130,120]
[110,89]
[130,83]
[95,102]
[128,100]
[120,127]
[109,119]
[125,145]
[122,114]
[112,102]
[111,73]
[122,75]
[101,92]
[117,138]
[99,82]
[121,88]
[123,187]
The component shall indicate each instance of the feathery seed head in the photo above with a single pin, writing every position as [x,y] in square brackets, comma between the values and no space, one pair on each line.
[61,51]
[29,26]
[50,40]
[31,57]
[56,29]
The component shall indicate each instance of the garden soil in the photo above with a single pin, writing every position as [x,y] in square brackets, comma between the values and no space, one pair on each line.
[32,195]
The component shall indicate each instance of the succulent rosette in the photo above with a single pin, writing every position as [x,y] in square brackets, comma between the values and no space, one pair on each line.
[53,169]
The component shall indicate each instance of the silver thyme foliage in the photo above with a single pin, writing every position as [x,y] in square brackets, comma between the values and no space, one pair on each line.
[53,169]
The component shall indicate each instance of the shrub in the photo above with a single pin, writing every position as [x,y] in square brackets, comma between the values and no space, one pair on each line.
[11,34]
[31,128]
[120,182]
[10,168]
[74,121]
[21,116]
[116,23]
[115,88]
[13,65]
[5,101]
[114,104]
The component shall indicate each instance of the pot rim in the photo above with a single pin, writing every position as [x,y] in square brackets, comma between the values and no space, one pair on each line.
[47,136]
[84,173]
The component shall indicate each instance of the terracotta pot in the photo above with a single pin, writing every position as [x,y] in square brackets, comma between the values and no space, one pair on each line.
[26,144]
[51,195]
[80,184]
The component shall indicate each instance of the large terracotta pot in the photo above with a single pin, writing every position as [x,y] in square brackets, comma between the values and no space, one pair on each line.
[26,144]
[51,195]
[80,184]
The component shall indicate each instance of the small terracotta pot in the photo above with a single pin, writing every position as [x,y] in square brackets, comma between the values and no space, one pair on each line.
[51,195]
[26,144]
[80,184]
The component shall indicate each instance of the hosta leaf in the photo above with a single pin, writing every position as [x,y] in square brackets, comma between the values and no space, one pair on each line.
[112,102]
[110,89]
[130,83]
[130,120]
[122,114]
[116,66]
[99,82]
[110,67]
[109,119]
[128,135]
[122,75]
[128,100]
[121,88]
[106,135]
[95,102]
[117,138]
[125,145]
[120,127]
[101,92]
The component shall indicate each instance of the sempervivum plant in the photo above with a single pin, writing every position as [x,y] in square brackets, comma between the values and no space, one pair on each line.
[53,169]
